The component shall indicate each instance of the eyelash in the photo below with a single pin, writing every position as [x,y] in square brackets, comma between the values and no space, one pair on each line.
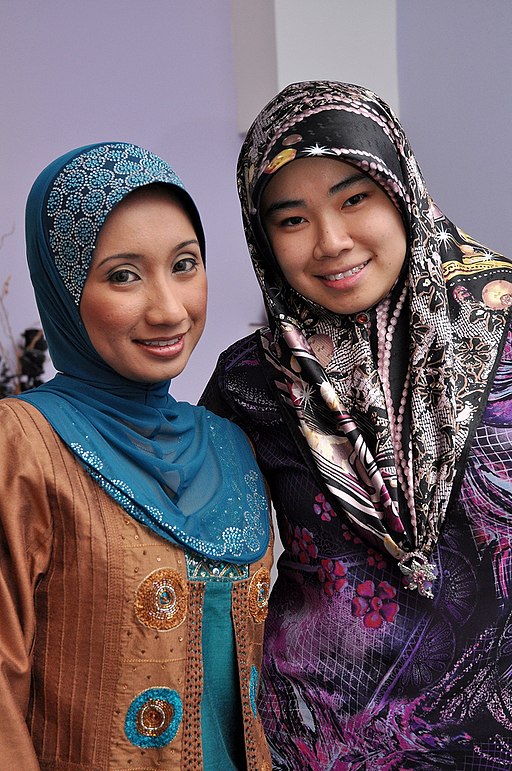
[289,221]
[114,277]
[354,200]
[120,276]
[191,261]
[359,196]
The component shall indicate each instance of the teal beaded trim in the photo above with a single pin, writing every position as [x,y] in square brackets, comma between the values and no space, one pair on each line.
[253,689]
[201,568]
[153,717]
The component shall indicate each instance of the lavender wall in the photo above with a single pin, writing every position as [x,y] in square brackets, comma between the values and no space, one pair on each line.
[159,74]
[455,84]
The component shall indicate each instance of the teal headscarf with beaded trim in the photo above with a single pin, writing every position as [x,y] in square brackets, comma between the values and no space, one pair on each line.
[183,472]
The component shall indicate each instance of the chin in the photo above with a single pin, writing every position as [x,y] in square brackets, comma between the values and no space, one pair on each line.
[147,379]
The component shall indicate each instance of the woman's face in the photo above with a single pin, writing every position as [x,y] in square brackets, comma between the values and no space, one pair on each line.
[144,300]
[336,235]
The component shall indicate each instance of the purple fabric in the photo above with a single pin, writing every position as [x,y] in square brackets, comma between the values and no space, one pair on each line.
[360,673]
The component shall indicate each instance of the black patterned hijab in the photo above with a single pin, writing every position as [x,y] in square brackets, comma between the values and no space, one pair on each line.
[392,475]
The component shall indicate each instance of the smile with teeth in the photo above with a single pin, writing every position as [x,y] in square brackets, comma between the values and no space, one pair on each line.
[346,274]
[160,343]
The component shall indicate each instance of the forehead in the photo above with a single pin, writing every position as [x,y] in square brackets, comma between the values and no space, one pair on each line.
[147,199]
[144,212]
[310,176]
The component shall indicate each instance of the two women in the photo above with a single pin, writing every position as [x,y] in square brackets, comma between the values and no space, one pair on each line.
[379,403]
[134,532]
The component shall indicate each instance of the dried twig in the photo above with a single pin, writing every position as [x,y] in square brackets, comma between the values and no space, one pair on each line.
[21,368]
[4,317]
[6,235]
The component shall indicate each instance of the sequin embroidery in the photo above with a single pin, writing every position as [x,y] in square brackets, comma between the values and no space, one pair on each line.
[153,717]
[161,600]
[253,688]
[248,506]
[203,569]
[259,590]
[105,172]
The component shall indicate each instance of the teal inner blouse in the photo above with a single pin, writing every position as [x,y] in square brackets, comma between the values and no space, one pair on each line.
[221,706]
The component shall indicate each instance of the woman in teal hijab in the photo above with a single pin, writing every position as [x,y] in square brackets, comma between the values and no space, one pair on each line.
[172,555]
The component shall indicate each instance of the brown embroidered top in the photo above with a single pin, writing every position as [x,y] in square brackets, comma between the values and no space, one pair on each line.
[103,626]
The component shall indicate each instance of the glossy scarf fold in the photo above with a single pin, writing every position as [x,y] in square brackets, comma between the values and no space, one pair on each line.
[188,475]
[452,305]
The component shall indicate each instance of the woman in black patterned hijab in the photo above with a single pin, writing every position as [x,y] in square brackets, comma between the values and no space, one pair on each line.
[383,422]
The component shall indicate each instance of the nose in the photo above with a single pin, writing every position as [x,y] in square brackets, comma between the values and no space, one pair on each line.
[164,306]
[332,237]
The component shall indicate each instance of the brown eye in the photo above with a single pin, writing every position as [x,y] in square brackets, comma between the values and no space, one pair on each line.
[123,276]
[291,221]
[185,265]
[355,199]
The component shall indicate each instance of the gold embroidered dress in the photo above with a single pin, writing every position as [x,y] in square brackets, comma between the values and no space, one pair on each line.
[102,622]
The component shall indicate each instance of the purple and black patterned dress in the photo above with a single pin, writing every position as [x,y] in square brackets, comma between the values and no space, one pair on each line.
[385,435]
[360,673]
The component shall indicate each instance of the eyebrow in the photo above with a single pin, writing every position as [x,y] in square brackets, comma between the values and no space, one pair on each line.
[135,256]
[292,203]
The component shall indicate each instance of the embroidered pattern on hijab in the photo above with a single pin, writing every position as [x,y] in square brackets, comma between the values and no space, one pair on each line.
[180,470]
[451,303]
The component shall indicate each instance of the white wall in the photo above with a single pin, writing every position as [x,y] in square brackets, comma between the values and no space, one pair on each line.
[354,42]
[277,42]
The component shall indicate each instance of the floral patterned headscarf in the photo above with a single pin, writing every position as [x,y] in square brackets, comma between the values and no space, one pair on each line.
[453,298]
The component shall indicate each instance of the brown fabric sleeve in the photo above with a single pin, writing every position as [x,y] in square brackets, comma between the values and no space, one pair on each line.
[25,544]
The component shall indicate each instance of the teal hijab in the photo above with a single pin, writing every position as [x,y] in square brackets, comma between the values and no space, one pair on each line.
[183,472]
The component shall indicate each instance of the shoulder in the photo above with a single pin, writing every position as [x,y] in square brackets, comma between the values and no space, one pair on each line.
[27,440]
[29,475]
[239,388]
[19,417]
[242,353]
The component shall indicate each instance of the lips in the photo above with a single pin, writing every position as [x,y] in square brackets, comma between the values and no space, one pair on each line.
[345,274]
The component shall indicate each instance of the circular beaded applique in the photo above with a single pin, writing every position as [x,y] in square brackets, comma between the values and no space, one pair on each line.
[154,717]
[161,600]
[259,590]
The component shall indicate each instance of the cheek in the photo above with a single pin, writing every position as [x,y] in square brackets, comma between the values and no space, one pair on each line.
[103,320]
[117,317]
[392,237]
[201,310]
[282,249]
[290,258]
[193,299]
[400,249]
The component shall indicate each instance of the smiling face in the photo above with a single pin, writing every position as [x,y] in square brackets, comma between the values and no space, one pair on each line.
[144,301]
[336,235]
